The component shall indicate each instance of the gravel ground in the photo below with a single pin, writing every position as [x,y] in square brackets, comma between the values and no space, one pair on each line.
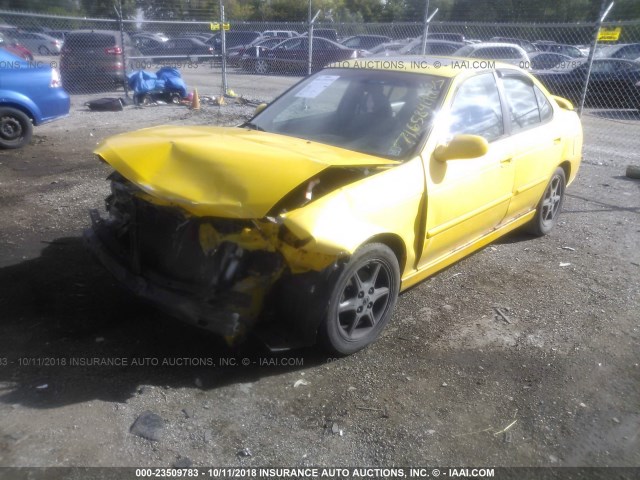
[438,388]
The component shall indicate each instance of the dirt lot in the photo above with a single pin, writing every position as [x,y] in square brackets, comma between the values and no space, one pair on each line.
[439,387]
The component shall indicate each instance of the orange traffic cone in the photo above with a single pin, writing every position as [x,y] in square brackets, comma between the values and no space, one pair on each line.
[195,101]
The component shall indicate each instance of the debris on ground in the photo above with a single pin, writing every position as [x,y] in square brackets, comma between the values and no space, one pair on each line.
[245,452]
[300,382]
[501,314]
[633,171]
[183,462]
[148,425]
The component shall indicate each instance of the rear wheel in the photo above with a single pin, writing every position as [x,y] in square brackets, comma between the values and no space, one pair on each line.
[550,205]
[43,50]
[15,128]
[362,300]
[261,67]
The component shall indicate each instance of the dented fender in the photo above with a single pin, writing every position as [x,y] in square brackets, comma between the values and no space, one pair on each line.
[389,202]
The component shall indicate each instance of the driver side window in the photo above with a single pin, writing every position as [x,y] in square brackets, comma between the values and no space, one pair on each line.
[476,109]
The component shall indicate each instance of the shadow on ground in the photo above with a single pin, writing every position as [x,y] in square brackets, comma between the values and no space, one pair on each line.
[62,307]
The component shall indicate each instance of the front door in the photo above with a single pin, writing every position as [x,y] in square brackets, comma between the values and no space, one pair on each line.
[468,198]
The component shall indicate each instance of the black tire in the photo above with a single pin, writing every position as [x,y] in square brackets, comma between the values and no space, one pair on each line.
[361,300]
[550,205]
[15,128]
[261,66]
[43,50]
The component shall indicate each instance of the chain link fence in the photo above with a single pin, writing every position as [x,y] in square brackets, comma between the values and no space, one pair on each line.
[263,58]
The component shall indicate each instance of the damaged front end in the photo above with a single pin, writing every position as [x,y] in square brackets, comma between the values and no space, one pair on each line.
[214,273]
[199,223]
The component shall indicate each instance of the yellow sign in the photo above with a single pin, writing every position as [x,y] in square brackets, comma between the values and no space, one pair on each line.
[216,26]
[609,34]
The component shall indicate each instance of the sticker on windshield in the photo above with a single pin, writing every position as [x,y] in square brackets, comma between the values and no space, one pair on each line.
[317,86]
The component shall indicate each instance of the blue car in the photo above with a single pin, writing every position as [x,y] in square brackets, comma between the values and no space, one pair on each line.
[30,94]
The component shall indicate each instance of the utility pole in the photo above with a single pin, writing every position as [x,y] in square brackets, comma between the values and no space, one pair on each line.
[425,31]
[118,10]
[604,11]
[310,37]
[223,49]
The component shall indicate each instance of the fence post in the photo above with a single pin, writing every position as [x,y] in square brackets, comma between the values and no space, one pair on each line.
[223,49]
[310,36]
[425,30]
[603,13]
[118,10]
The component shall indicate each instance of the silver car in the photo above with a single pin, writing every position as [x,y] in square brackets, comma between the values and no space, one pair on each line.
[39,42]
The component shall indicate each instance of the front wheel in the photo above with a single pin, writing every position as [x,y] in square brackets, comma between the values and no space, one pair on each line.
[15,128]
[362,300]
[550,205]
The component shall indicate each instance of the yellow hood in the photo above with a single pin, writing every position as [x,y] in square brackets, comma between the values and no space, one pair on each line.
[222,171]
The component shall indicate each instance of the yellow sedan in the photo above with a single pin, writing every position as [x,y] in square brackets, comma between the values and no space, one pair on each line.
[304,223]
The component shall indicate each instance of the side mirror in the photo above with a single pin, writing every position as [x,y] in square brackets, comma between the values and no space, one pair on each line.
[259,109]
[462,147]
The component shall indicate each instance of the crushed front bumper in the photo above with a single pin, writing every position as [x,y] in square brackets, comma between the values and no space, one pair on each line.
[230,312]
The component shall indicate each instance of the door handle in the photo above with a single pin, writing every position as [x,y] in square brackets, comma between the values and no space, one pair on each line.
[507,160]
[556,141]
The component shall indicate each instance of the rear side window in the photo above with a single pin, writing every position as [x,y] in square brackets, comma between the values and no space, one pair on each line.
[476,109]
[90,40]
[546,110]
[527,104]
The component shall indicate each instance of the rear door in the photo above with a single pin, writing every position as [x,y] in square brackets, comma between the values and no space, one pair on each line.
[535,140]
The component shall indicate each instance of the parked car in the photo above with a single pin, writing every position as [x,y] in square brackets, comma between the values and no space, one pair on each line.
[280,33]
[548,60]
[549,46]
[30,95]
[613,83]
[504,52]
[328,33]
[387,49]
[39,42]
[292,56]
[181,49]
[233,39]
[310,218]
[236,54]
[59,34]
[433,47]
[10,45]
[95,58]
[526,45]
[147,43]
[365,42]
[451,37]
[627,51]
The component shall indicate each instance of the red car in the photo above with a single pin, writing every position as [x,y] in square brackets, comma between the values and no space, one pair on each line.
[10,45]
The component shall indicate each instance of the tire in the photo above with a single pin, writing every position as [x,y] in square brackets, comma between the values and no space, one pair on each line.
[550,205]
[361,300]
[42,50]
[15,128]
[261,67]
[633,171]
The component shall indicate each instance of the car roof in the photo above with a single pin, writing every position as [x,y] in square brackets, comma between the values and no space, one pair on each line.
[494,45]
[421,64]
[101,32]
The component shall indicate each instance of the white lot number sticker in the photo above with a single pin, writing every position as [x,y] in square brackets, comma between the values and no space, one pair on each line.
[317,86]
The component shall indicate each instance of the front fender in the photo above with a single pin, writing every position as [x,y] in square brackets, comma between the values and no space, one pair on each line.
[387,202]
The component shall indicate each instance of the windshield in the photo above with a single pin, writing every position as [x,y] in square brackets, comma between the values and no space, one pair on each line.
[382,113]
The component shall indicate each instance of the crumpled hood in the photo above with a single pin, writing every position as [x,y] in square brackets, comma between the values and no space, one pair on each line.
[222,171]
